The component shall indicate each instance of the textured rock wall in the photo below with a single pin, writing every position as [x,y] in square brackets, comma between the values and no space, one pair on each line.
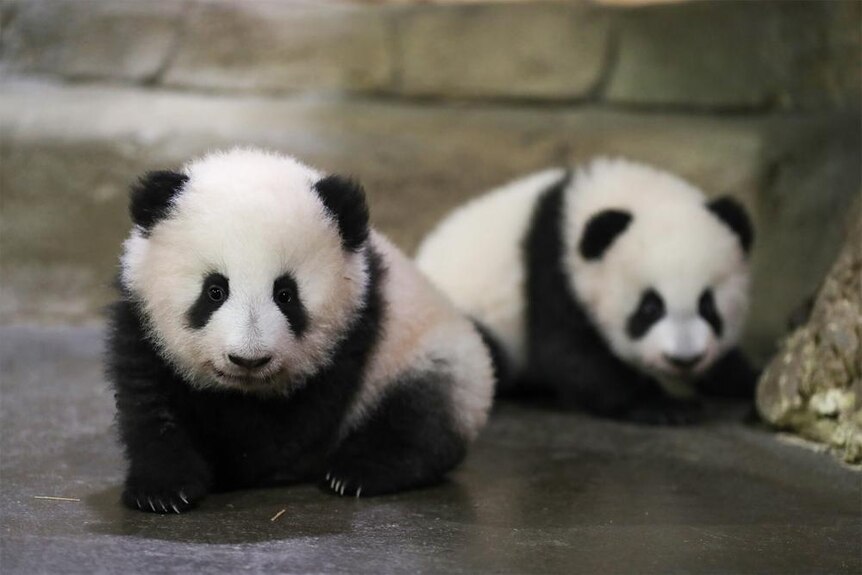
[814,384]
[730,55]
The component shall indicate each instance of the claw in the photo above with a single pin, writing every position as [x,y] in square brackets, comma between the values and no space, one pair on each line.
[328,474]
[162,505]
[358,491]
[183,497]
[150,501]
[175,508]
[138,502]
[341,488]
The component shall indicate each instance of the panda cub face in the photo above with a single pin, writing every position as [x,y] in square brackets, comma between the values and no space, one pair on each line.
[678,331]
[662,272]
[247,267]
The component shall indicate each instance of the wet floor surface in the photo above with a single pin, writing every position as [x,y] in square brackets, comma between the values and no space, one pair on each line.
[541,492]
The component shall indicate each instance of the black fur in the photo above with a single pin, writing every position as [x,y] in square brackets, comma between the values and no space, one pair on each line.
[650,309]
[152,196]
[206,305]
[345,200]
[735,217]
[601,231]
[568,356]
[707,310]
[291,305]
[731,376]
[182,442]
[410,440]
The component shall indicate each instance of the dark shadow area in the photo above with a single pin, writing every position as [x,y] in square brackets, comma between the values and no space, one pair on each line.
[246,517]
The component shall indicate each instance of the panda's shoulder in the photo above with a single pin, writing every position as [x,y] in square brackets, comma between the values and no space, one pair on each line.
[418,324]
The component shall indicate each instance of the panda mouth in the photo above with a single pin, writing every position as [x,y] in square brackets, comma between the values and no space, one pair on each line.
[244,379]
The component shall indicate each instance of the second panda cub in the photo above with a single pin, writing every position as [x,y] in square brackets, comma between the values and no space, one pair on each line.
[618,286]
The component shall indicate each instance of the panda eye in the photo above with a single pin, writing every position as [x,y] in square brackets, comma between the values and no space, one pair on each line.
[706,303]
[284,296]
[651,305]
[215,293]
[708,311]
[650,309]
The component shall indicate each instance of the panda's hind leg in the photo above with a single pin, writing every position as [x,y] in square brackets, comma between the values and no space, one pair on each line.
[410,439]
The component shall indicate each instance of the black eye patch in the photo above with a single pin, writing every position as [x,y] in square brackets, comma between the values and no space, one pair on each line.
[650,309]
[285,294]
[709,312]
[601,231]
[214,292]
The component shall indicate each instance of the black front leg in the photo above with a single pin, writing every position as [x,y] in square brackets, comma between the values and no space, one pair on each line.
[411,439]
[591,377]
[731,376]
[665,410]
[166,472]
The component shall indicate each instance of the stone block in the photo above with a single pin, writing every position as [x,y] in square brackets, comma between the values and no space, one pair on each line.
[266,46]
[736,55]
[541,51]
[119,39]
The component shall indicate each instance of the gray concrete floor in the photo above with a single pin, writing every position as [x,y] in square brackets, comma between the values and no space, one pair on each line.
[542,491]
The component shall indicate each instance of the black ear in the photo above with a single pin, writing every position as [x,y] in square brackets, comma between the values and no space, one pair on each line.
[735,217]
[345,200]
[601,231]
[152,195]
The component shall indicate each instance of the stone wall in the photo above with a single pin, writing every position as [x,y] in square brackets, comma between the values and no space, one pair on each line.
[428,105]
[702,55]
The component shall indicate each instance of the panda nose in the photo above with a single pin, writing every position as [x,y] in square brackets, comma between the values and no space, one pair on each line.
[249,362]
[683,362]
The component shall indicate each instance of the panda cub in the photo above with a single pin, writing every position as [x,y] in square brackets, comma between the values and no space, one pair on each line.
[265,335]
[617,286]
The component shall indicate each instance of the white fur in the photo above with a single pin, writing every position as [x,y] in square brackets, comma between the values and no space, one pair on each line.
[423,332]
[253,216]
[673,245]
[475,257]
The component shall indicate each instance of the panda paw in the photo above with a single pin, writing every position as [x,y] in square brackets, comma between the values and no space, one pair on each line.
[666,413]
[153,498]
[341,485]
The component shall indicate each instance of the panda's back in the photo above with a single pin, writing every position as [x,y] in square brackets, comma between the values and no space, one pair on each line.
[422,333]
[475,256]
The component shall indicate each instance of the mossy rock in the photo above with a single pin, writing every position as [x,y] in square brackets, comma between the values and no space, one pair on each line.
[813,386]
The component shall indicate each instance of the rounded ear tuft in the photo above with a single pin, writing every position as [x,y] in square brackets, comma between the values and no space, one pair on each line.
[601,231]
[734,216]
[152,195]
[344,198]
